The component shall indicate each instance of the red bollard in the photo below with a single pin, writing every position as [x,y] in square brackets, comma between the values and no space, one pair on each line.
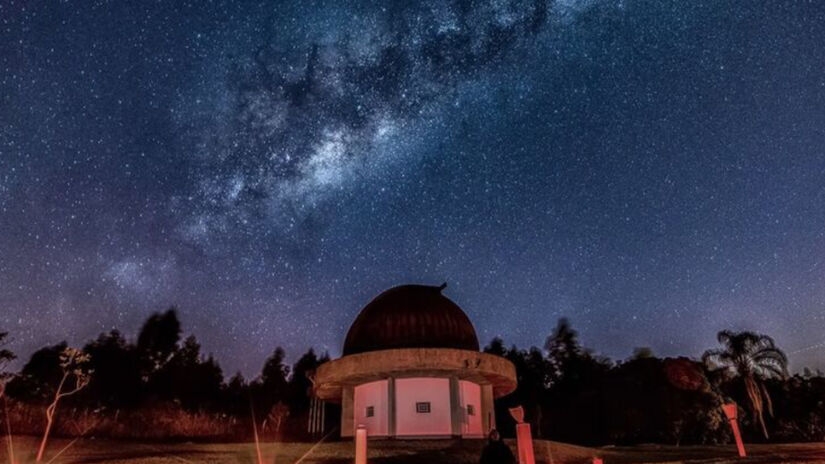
[361,445]
[524,437]
[525,444]
[730,413]
[598,460]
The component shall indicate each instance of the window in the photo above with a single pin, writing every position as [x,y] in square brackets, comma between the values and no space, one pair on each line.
[370,411]
[423,407]
[471,410]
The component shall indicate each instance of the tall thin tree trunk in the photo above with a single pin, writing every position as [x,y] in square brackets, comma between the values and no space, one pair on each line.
[755,397]
[767,397]
[50,418]
[42,449]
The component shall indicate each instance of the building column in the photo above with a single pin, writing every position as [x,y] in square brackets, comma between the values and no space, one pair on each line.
[391,407]
[488,409]
[347,411]
[456,410]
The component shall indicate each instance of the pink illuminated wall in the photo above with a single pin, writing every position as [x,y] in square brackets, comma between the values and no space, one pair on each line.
[375,395]
[470,394]
[435,391]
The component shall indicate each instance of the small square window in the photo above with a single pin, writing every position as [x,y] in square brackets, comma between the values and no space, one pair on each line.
[471,410]
[370,411]
[423,407]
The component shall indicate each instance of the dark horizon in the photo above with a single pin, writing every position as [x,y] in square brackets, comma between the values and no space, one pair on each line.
[651,170]
[293,354]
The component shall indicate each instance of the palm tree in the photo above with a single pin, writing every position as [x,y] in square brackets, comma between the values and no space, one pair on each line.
[753,358]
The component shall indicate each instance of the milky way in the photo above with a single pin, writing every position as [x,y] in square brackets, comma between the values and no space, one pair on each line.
[655,171]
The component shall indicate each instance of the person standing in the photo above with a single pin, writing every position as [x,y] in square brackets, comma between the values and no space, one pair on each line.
[496,451]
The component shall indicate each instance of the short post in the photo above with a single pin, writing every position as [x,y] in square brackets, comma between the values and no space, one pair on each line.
[361,445]
[597,460]
[730,413]
[524,437]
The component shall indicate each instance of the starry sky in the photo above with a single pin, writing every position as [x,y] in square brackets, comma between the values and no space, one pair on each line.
[653,170]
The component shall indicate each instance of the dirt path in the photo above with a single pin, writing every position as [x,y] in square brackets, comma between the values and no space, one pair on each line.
[91,451]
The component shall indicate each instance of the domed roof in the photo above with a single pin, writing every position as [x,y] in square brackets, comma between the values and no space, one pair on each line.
[411,316]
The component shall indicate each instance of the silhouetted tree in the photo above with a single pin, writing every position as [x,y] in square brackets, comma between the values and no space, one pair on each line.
[642,352]
[569,393]
[533,375]
[117,381]
[562,348]
[275,373]
[276,417]
[189,379]
[193,381]
[299,382]
[577,380]
[272,385]
[158,341]
[752,358]
[6,356]
[682,413]
[800,407]
[39,376]
[300,389]
[75,375]
[269,388]
[237,396]
[496,347]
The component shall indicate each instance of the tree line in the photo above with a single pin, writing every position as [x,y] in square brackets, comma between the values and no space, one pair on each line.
[573,395]
[162,386]
[168,378]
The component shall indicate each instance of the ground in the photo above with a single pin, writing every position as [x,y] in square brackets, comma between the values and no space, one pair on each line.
[90,451]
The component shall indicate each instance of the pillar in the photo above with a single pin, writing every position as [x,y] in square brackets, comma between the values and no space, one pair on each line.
[456,409]
[347,411]
[391,407]
[488,410]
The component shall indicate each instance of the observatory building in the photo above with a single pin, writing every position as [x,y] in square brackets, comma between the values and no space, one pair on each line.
[411,368]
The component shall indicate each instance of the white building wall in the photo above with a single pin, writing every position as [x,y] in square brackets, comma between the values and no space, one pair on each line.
[409,392]
[375,395]
[471,403]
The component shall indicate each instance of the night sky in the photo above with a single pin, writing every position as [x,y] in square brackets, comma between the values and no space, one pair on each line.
[653,170]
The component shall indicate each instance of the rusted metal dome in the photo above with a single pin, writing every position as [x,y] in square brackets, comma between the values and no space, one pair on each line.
[411,316]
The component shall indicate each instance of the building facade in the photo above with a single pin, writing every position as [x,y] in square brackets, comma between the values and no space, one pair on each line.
[411,368]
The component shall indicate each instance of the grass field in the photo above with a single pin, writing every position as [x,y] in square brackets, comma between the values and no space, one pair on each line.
[91,451]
